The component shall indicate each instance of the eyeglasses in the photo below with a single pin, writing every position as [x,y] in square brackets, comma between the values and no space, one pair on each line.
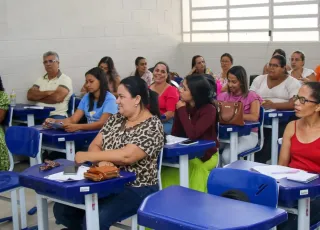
[49,62]
[302,100]
[295,59]
[273,65]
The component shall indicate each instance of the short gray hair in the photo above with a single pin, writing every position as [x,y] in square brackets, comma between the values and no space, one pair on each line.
[51,53]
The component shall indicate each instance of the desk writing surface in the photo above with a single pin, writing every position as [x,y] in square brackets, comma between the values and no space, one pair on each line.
[34,179]
[178,149]
[177,207]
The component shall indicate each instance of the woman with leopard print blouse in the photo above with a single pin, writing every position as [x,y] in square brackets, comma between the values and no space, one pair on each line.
[131,139]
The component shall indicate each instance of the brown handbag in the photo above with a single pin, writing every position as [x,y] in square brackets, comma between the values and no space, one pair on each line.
[102,173]
[230,113]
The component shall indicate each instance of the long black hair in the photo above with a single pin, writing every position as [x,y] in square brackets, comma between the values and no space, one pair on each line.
[201,89]
[101,77]
[112,72]
[1,85]
[241,75]
[149,99]
[136,62]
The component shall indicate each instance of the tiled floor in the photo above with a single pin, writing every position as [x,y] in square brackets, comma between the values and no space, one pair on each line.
[5,208]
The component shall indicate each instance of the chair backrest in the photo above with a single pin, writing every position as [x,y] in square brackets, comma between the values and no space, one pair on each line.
[261,120]
[8,119]
[71,105]
[22,140]
[173,83]
[252,77]
[258,188]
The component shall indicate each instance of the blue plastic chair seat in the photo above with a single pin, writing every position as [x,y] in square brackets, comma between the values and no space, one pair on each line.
[8,181]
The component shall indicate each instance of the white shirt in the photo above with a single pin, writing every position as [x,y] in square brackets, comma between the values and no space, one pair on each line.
[45,84]
[278,94]
[305,73]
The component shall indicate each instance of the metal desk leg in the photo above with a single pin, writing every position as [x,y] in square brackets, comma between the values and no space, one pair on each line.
[304,213]
[30,120]
[233,146]
[92,211]
[274,141]
[23,211]
[42,207]
[184,170]
[70,150]
[15,212]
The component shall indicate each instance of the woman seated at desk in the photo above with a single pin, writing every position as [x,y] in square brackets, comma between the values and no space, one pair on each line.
[195,118]
[168,94]
[298,70]
[238,91]
[131,139]
[276,89]
[112,76]
[97,105]
[301,143]
[276,52]
[4,106]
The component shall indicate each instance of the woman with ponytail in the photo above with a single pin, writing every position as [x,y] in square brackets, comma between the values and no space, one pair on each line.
[132,140]
[195,118]
[4,106]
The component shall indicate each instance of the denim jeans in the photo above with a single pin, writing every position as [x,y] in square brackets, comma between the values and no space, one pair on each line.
[58,117]
[112,209]
[167,126]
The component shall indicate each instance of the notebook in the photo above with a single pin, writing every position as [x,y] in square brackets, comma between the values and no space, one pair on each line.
[279,172]
[303,177]
[171,140]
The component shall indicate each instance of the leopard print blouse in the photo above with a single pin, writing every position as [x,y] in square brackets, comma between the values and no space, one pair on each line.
[148,136]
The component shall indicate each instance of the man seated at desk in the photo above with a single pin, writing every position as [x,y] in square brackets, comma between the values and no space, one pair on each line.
[53,89]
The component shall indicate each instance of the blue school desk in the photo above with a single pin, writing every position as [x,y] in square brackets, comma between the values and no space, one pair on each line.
[29,115]
[230,134]
[62,141]
[272,118]
[176,208]
[81,194]
[290,192]
[184,152]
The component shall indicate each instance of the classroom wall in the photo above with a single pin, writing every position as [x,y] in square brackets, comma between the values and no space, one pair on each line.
[252,56]
[82,32]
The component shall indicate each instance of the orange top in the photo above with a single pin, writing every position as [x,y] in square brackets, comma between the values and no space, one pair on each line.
[317,71]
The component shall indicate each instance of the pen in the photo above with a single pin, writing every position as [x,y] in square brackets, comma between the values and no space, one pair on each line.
[287,172]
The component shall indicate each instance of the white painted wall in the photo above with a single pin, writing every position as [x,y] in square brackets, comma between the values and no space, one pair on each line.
[252,56]
[82,32]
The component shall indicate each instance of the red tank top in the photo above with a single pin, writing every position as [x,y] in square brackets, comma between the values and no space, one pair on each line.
[305,156]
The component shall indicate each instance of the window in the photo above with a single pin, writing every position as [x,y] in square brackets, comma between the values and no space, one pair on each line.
[250,20]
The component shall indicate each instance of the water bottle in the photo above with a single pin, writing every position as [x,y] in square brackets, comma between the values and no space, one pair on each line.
[13,97]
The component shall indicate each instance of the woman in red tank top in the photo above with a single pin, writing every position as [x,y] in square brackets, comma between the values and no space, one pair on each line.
[301,143]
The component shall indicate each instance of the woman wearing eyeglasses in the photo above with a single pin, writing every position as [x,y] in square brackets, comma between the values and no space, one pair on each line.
[298,71]
[276,89]
[276,52]
[301,142]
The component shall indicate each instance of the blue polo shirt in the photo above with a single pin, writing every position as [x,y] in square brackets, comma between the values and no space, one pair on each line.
[109,106]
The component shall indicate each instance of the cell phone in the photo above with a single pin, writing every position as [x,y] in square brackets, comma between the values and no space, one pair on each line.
[70,170]
[188,142]
[56,125]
